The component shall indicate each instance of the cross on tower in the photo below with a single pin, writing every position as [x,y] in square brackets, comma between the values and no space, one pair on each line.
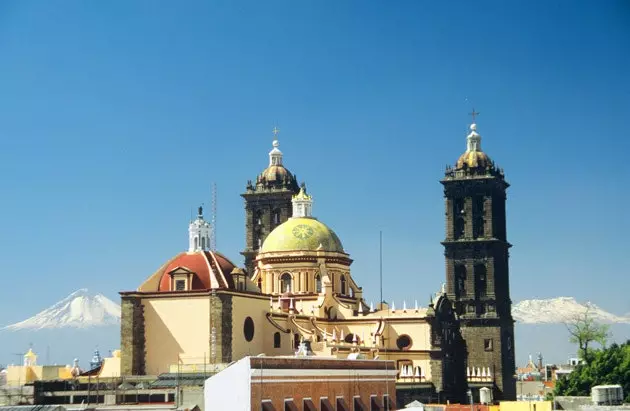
[474,114]
[275,130]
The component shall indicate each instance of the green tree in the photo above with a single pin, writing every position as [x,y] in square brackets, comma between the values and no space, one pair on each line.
[606,366]
[584,331]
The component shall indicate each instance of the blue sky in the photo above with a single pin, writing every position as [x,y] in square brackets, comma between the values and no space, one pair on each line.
[116,117]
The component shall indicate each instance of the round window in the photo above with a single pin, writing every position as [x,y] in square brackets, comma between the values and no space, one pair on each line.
[248,329]
[403,342]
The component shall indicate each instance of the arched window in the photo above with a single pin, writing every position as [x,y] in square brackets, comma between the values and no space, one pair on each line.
[196,242]
[276,217]
[258,217]
[285,283]
[260,283]
[460,280]
[318,283]
[480,281]
[296,341]
[203,243]
[276,340]
[343,285]
[460,223]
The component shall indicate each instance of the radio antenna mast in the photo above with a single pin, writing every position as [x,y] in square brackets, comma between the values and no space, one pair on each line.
[213,237]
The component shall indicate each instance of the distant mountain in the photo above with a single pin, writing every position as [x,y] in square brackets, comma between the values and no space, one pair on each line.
[560,310]
[78,310]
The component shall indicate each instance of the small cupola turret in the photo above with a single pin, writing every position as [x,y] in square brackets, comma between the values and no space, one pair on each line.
[199,231]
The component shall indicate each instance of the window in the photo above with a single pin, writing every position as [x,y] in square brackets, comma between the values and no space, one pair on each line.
[403,342]
[318,283]
[460,224]
[460,281]
[405,368]
[343,285]
[258,217]
[296,341]
[276,340]
[480,281]
[325,404]
[248,329]
[196,243]
[487,344]
[478,212]
[180,285]
[260,283]
[358,404]
[285,283]
[276,217]
[203,243]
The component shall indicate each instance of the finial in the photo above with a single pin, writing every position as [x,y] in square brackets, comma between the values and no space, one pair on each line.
[473,114]
[276,130]
[200,211]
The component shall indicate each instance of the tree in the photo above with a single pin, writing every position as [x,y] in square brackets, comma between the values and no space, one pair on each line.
[584,331]
[607,366]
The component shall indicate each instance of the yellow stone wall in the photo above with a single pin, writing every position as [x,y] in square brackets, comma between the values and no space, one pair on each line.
[256,308]
[176,329]
[525,405]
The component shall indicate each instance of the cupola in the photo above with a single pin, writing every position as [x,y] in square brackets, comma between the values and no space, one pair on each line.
[199,231]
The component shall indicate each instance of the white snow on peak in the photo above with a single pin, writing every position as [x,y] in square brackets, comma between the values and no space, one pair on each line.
[561,310]
[78,310]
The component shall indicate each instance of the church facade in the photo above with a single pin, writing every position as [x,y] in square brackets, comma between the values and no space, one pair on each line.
[297,293]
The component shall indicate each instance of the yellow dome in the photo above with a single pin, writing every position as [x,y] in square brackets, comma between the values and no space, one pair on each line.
[302,234]
[473,159]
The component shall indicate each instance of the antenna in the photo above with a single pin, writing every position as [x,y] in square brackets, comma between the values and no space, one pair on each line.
[380,261]
[213,237]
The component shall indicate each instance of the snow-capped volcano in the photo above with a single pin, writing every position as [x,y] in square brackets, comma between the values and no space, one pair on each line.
[78,310]
[560,310]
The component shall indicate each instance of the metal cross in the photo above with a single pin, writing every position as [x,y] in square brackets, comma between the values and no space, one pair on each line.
[275,130]
[474,114]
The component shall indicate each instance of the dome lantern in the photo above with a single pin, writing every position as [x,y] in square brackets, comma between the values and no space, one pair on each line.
[199,232]
[275,155]
[302,203]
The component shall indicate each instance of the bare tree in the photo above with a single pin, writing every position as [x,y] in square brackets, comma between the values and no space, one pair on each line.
[584,331]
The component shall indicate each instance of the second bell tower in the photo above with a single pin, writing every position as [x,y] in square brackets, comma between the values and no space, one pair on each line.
[477,273]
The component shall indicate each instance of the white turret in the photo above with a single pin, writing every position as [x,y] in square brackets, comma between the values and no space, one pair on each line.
[199,231]
[275,155]
[474,139]
[302,203]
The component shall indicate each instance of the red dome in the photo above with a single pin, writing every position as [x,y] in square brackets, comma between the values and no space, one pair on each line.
[208,270]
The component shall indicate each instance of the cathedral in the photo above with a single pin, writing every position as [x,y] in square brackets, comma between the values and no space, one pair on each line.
[296,293]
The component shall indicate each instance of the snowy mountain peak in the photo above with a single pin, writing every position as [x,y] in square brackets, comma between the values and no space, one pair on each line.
[561,310]
[77,310]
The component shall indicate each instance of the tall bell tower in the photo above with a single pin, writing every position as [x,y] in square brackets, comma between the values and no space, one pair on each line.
[477,273]
[267,203]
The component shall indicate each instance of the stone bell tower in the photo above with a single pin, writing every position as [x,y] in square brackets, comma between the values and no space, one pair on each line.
[477,273]
[267,203]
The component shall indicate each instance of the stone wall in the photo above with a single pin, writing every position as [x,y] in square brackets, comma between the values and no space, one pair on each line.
[132,341]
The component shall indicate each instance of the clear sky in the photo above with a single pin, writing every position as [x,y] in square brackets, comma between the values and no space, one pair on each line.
[116,117]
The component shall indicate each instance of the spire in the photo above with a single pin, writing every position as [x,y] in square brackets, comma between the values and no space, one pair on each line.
[275,155]
[302,203]
[199,233]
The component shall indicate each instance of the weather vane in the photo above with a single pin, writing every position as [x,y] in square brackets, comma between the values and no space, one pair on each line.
[474,114]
